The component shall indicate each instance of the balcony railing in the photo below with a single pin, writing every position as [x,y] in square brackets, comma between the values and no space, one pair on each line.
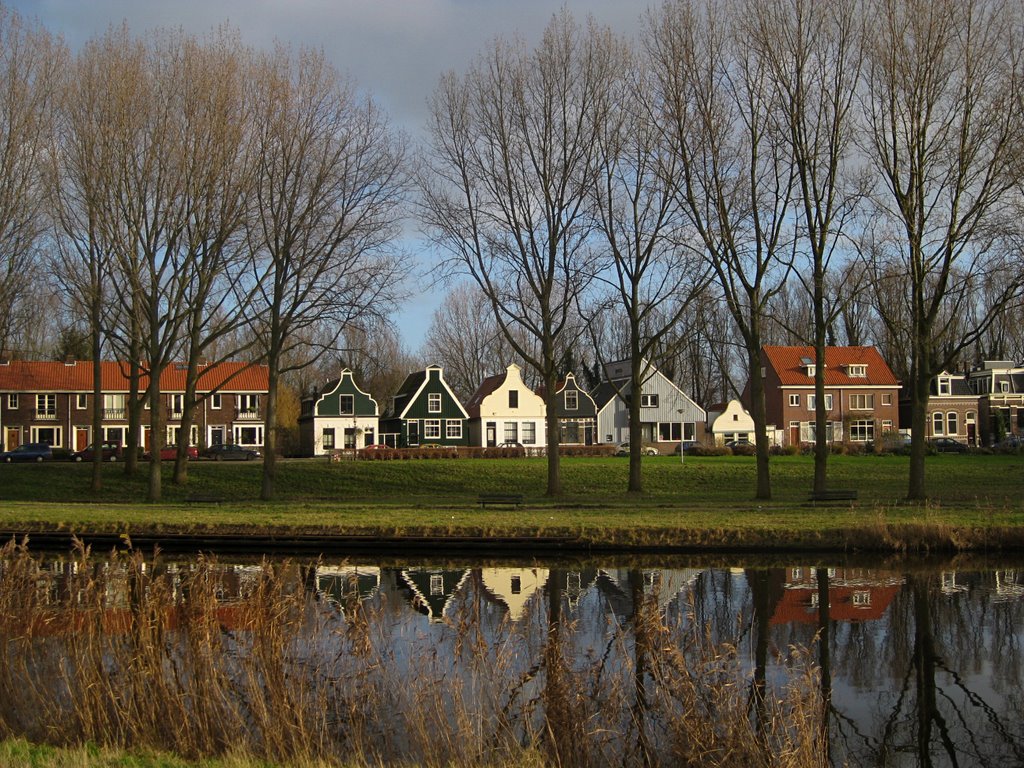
[45,415]
[115,413]
[249,414]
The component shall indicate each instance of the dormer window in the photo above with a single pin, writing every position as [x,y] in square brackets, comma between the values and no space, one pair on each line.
[857,371]
[808,365]
[944,386]
[1004,387]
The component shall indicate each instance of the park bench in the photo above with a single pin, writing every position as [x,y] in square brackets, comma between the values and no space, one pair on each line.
[834,495]
[508,499]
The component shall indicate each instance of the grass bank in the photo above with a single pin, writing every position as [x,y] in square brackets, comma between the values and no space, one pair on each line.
[976,502]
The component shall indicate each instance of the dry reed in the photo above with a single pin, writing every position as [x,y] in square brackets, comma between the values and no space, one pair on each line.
[123,656]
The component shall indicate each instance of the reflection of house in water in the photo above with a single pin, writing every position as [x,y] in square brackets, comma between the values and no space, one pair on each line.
[854,594]
[429,590]
[1009,586]
[951,585]
[339,584]
[665,585]
[514,587]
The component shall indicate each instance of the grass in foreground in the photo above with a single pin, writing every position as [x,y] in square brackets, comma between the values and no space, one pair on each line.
[976,500]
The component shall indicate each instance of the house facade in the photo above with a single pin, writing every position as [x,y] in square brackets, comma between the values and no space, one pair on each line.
[999,385]
[952,409]
[425,411]
[577,413]
[52,402]
[861,394]
[505,410]
[731,421]
[667,415]
[341,416]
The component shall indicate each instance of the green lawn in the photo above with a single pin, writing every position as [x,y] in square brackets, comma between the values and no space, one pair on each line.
[706,501]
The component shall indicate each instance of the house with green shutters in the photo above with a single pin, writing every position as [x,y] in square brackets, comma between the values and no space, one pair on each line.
[425,411]
[340,416]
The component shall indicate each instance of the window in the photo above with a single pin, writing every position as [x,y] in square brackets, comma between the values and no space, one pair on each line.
[887,425]
[46,407]
[529,433]
[349,438]
[113,407]
[887,399]
[249,435]
[12,401]
[944,386]
[670,431]
[862,599]
[794,400]
[177,406]
[49,435]
[81,401]
[517,584]
[346,405]
[215,401]
[648,401]
[858,371]
[571,400]
[328,440]
[812,401]
[434,402]
[951,423]
[436,584]
[513,398]
[862,402]
[1004,387]
[249,404]
[937,423]
[862,431]
[431,429]
[453,429]
[511,432]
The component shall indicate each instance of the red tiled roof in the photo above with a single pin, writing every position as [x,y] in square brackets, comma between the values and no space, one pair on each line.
[796,604]
[788,364]
[31,376]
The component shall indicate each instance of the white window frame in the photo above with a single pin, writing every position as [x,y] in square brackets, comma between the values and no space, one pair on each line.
[215,401]
[862,431]
[649,400]
[58,432]
[433,402]
[952,423]
[249,403]
[938,423]
[886,398]
[575,400]
[812,399]
[49,405]
[945,386]
[352,405]
[453,429]
[529,433]
[431,429]
[862,401]
[237,430]
[177,405]
[794,401]
[12,401]
[857,371]
[511,432]
[81,401]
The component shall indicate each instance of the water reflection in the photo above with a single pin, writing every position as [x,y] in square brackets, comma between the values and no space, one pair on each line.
[911,665]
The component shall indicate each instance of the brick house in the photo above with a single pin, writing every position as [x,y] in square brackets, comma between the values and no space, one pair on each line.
[999,385]
[861,393]
[51,402]
[952,409]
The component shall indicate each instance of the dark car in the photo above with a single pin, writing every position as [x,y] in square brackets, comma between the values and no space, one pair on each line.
[947,445]
[230,452]
[109,451]
[170,453]
[28,452]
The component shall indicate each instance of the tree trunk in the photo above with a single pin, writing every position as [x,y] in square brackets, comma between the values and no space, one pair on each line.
[554,430]
[270,431]
[96,484]
[758,412]
[918,427]
[635,433]
[155,437]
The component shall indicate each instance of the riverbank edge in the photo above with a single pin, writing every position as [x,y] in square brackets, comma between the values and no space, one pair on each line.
[872,537]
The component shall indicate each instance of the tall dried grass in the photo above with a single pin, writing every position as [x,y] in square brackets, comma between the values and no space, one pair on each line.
[126,658]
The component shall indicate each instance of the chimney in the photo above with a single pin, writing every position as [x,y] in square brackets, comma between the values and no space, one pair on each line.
[69,360]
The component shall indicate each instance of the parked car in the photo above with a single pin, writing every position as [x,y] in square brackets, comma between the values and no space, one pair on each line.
[170,453]
[1011,442]
[230,452]
[109,451]
[646,450]
[947,445]
[510,444]
[28,452]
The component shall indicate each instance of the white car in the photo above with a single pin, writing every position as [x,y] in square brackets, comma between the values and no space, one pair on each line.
[646,450]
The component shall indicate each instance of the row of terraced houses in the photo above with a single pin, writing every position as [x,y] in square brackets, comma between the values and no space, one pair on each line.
[51,402]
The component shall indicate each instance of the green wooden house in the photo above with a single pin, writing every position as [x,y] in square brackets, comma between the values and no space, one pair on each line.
[340,416]
[425,411]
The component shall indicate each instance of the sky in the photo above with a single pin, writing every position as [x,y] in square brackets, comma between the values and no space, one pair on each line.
[395,50]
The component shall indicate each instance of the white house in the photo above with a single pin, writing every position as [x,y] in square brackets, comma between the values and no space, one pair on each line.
[505,410]
[733,423]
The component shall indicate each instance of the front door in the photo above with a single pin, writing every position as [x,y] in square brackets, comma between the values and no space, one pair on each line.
[414,433]
[81,438]
[492,434]
[216,435]
[13,439]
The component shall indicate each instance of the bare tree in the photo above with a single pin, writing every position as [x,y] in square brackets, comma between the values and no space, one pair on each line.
[512,164]
[327,200]
[736,181]
[940,81]
[31,62]
[465,339]
[652,280]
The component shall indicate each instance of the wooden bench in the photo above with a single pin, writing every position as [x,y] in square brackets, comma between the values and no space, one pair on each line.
[834,495]
[508,499]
